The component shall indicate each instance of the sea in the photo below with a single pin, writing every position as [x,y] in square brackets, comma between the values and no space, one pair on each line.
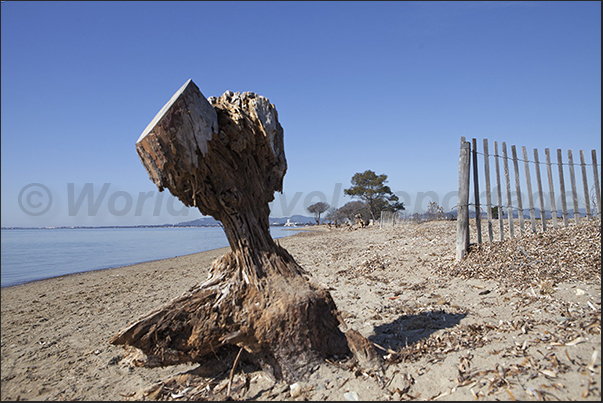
[36,254]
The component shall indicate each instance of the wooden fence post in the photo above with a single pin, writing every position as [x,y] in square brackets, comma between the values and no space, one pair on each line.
[551,188]
[478,213]
[518,189]
[499,194]
[570,160]
[526,165]
[585,185]
[596,176]
[488,195]
[539,182]
[462,221]
[508,183]
[562,186]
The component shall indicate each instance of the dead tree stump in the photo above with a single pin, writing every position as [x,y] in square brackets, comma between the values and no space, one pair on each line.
[226,157]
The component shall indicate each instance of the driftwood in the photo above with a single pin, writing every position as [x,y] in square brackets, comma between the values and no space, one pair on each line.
[226,157]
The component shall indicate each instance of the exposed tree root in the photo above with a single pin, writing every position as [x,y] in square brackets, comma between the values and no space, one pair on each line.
[284,321]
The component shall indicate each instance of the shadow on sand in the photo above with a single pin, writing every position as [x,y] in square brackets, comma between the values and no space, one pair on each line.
[408,329]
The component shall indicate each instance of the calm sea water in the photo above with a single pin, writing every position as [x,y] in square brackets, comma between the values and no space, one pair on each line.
[35,254]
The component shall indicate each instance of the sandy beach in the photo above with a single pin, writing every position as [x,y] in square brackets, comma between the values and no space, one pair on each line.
[516,320]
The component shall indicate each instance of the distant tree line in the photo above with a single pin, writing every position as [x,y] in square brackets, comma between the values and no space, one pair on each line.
[373,194]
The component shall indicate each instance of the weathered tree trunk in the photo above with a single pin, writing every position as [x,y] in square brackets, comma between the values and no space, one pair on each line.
[226,156]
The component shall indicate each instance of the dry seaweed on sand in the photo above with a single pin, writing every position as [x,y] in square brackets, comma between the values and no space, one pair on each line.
[535,259]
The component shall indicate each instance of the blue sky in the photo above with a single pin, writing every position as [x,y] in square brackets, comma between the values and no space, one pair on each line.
[386,86]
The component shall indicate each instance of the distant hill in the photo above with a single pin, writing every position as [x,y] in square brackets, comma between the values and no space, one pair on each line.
[211,222]
[199,222]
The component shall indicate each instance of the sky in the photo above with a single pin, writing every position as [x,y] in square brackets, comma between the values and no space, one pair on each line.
[384,86]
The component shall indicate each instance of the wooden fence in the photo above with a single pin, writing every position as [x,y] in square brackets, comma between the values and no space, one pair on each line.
[591,199]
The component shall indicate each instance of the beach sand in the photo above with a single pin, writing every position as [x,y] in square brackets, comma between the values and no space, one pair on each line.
[491,328]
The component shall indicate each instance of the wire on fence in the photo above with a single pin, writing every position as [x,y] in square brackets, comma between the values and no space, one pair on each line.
[537,162]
